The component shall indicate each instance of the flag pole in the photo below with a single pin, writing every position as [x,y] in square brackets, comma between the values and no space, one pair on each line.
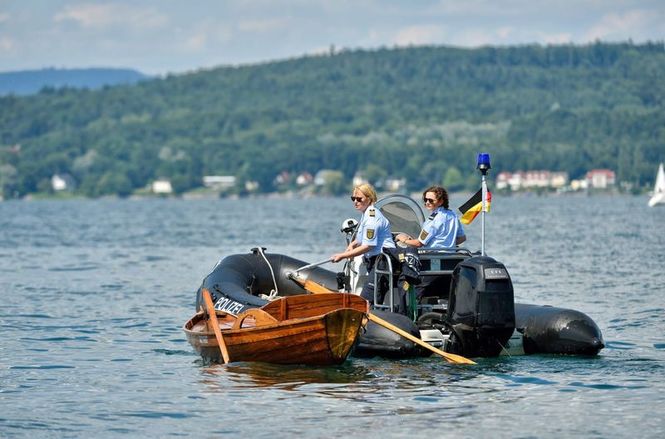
[483,165]
[482,212]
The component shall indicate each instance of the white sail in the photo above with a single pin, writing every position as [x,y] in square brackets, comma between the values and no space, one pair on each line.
[659,188]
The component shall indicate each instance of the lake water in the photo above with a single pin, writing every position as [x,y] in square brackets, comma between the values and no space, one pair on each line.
[93,295]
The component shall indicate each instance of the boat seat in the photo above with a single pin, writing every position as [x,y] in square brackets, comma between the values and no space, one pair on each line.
[259,316]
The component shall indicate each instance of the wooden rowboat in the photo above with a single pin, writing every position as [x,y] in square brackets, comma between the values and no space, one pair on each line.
[304,329]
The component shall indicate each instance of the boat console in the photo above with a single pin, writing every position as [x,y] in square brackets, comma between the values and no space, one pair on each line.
[468,305]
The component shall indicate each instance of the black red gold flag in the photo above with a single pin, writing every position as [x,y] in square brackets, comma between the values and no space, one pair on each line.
[473,206]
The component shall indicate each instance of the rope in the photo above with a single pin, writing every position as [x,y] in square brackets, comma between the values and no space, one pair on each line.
[275,292]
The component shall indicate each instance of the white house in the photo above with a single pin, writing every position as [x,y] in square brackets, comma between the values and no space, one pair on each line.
[304,179]
[162,187]
[62,182]
[531,179]
[600,178]
[395,184]
[358,179]
[219,182]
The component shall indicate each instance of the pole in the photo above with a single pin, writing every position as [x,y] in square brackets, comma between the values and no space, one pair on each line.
[483,165]
[315,264]
[482,213]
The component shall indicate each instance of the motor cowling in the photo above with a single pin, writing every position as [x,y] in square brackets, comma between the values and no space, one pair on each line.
[481,308]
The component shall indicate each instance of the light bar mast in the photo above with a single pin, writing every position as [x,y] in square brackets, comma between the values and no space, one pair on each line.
[483,165]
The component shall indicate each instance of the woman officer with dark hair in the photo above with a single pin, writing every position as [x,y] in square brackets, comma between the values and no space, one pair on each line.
[442,230]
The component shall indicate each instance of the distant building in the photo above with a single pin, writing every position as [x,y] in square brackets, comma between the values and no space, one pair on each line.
[558,180]
[62,182]
[510,180]
[252,186]
[531,179]
[304,179]
[537,179]
[282,178]
[395,184]
[58,183]
[358,179]
[600,178]
[219,182]
[577,185]
[323,176]
[161,187]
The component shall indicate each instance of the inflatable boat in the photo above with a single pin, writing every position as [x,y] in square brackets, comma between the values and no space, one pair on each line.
[469,309]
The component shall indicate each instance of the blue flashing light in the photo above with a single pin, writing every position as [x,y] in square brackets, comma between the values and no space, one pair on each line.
[483,162]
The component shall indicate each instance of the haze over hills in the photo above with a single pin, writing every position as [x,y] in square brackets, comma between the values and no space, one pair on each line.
[27,82]
[420,113]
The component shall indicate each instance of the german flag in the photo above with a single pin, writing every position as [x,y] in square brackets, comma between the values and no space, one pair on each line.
[473,206]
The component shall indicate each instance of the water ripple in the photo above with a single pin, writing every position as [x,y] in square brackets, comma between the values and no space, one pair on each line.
[42,367]
[92,344]
[74,268]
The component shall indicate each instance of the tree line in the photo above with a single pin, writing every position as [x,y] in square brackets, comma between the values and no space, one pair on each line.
[420,113]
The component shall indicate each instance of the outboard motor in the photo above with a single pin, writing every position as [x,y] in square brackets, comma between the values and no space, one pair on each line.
[481,308]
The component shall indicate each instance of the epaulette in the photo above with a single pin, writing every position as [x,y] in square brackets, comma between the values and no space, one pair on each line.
[433,215]
[372,212]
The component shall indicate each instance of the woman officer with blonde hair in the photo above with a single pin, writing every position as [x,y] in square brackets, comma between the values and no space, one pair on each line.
[372,236]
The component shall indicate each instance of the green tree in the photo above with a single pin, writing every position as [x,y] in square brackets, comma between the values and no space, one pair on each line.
[112,183]
[374,173]
[334,183]
[453,180]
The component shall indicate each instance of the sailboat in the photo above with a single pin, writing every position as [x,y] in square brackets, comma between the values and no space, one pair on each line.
[658,196]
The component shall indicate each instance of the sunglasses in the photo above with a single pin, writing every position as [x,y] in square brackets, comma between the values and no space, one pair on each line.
[358,199]
[429,200]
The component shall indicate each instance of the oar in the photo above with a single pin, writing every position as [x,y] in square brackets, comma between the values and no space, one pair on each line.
[215,324]
[452,358]
[312,286]
[316,264]
[317,288]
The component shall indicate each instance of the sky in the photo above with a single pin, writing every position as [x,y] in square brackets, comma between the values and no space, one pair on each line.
[158,37]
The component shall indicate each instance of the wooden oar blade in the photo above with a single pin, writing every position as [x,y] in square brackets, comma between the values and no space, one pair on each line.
[317,288]
[451,358]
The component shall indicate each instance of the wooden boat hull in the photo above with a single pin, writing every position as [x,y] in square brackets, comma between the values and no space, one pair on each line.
[320,334]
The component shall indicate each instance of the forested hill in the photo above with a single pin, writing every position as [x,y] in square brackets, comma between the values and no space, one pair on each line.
[26,82]
[419,113]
